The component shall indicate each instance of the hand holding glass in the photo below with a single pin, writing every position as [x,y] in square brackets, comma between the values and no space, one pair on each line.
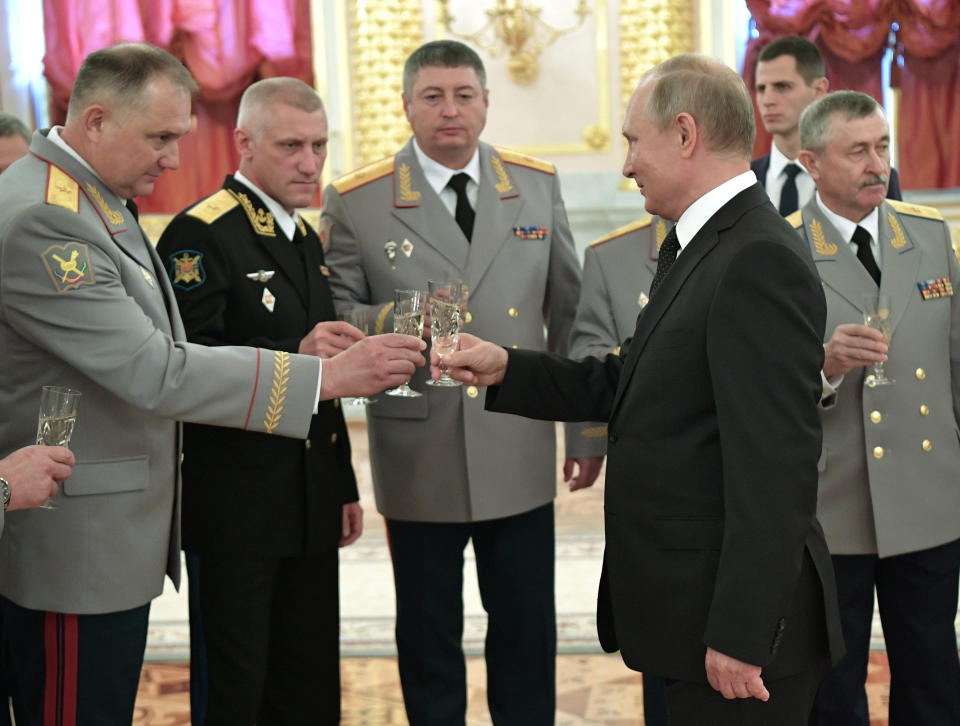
[409,307]
[57,417]
[876,315]
[446,299]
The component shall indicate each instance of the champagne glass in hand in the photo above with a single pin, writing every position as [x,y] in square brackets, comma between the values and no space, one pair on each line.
[409,307]
[446,299]
[57,417]
[876,315]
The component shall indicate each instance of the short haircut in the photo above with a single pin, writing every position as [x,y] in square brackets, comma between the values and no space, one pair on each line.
[712,93]
[443,53]
[815,127]
[264,94]
[120,73]
[807,56]
[12,126]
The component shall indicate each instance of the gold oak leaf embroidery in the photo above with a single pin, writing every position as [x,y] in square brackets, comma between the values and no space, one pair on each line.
[407,194]
[899,239]
[278,392]
[820,244]
[113,216]
[503,181]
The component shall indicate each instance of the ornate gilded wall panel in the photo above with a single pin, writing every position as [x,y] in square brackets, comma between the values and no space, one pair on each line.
[383,33]
[650,32]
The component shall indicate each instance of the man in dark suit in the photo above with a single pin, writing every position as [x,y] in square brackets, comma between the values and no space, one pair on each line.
[790,76]
[265,514]
[716,573]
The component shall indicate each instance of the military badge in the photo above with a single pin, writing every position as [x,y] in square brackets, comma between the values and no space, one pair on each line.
[530,232]
[146,275]
[390,248]
[268,300]
[69,265]
[323,232]
[643,300]
[406,247]
[934,289]
[261,275]
[186,269]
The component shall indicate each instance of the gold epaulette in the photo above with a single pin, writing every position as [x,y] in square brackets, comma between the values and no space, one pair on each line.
[531,162]
[795,220]
[364,175]
[213,207]
[62,190]
[625,229]
[916,210]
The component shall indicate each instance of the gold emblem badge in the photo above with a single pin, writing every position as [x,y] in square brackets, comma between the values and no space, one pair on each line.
[406,247]
[186,269]
[390,248]
[146,275]
[69,265]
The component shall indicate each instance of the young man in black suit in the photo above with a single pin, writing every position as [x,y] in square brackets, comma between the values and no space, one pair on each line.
[716,574]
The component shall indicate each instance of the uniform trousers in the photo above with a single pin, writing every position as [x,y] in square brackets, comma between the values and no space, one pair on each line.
[75,670]
[917,597]
[515,573]
[272,631]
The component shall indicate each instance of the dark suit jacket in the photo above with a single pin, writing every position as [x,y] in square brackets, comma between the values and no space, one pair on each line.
[761,165]
[253,494]
[714,438]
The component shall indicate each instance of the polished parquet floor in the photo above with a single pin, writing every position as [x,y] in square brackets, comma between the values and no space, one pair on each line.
[592,690]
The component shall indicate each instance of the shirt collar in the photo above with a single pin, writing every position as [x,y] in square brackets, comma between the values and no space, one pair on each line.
[286,221]
[847,227]
[778,161]
[438,175]
[698,213]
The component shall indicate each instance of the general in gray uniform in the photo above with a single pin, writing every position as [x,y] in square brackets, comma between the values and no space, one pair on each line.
[889,495]
[445,471]
[85,303]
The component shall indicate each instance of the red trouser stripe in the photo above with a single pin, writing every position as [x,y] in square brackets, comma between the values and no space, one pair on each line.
[61,646]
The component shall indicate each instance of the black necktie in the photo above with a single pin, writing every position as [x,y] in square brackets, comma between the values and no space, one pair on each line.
[132,206]
[665,260]
[789,201]
[464,214]
[861,238]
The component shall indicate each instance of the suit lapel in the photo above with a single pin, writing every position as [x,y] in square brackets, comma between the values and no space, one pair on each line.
[497,213]
[270,237]
[900,258]
[836,262]
[419,208]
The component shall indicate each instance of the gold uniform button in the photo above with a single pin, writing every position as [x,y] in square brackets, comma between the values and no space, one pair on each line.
[336,403]
[468,317]
[927,445]
[472,391]
[878,452]
[924,409]
[307,444]
[515,346]
[876,416]
[181,457]
[513,312]
[333,437]
[921,374]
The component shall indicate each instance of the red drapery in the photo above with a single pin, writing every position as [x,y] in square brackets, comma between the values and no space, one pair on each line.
[226,45]
[853,36]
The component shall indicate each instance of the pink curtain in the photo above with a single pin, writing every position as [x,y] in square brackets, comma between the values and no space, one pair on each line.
[853,34]
[226,44]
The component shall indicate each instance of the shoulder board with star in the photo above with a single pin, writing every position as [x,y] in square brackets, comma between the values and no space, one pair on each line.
[213,207]
[62,189]
[624,230]
[915,210]
[531,162]
[364,175]
[795,220]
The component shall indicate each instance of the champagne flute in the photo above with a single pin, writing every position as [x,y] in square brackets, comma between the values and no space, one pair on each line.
[409,307]
[357,318]
[876,315]
[446,299]
[57,418]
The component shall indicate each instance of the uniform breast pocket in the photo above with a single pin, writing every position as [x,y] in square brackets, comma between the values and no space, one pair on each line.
[108,477]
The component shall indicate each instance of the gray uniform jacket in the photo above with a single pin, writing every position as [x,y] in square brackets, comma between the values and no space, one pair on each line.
[442,458]
[890,467]
[617,272]
[85,303]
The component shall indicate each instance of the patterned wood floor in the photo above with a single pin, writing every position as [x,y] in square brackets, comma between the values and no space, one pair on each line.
[592,690]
